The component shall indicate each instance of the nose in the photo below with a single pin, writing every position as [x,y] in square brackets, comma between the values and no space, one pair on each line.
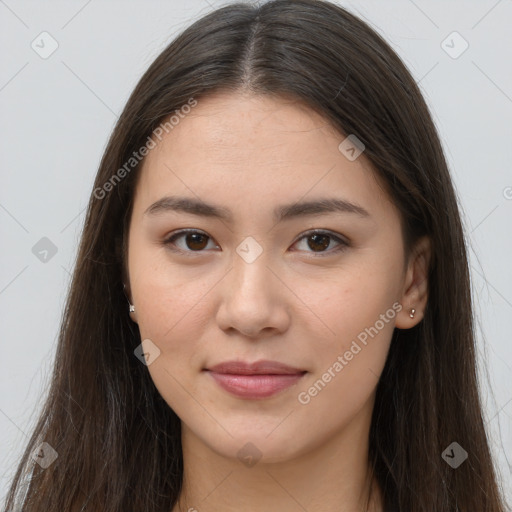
[253,301]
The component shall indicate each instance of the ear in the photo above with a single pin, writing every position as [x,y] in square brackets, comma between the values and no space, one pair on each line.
[415,290]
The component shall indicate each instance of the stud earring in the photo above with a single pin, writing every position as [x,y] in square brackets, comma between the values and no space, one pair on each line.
[132,308]
[411,314]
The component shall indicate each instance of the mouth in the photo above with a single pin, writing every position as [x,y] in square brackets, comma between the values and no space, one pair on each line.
[258,380]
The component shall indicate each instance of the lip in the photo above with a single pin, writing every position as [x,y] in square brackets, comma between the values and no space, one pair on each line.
[262,367]
[257,380]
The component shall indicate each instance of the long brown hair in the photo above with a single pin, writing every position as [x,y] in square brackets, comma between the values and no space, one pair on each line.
[118,442]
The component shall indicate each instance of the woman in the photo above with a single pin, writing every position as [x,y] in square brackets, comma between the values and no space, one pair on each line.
[270,308]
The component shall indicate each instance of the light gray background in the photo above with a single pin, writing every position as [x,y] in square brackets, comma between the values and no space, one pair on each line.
[57,114]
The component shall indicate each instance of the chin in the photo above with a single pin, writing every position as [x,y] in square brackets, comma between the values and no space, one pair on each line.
[255,444]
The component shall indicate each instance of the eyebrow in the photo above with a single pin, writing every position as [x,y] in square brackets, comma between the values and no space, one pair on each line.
[284,212]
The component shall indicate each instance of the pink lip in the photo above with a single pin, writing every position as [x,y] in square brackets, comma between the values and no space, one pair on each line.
[255,380]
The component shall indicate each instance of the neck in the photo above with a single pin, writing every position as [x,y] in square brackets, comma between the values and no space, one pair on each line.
[334,477]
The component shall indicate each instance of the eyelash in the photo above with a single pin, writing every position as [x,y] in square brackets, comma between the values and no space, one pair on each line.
[343,243]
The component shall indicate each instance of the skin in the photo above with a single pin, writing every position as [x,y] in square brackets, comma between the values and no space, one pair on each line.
[291,304]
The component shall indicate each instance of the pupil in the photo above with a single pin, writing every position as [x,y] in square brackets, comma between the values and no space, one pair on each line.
[323,244]
[194,241]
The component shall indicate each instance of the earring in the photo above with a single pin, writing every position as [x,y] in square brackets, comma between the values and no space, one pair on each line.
[132,307]
[412,313]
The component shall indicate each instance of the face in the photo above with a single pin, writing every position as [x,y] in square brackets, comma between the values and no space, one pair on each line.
[260,276]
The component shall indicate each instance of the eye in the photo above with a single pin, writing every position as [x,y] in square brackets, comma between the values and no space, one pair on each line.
[319,240]
[195,241]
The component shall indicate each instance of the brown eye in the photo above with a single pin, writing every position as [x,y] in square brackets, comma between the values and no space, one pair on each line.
[190,241]
[196,241]
[318,243]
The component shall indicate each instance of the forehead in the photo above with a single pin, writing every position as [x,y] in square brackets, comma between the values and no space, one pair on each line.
[230,123]
[248,150]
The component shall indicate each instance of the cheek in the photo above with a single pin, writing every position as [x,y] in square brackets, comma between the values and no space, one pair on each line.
[359,309]
[346,371]
[354,300]
[169,298]
[168,311]
[172,311]
[174,315]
